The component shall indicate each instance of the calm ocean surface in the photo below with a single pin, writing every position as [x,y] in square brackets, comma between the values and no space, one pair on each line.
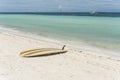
[97,31]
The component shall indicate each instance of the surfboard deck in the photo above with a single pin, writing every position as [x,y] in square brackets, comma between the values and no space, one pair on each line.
[41,51]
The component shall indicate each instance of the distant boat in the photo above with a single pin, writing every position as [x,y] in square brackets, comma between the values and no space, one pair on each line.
[60,8]
[93,12]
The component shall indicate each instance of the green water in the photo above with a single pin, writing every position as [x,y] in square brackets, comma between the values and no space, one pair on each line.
[98,31]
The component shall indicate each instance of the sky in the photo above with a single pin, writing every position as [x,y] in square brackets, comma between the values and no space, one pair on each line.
[59,5]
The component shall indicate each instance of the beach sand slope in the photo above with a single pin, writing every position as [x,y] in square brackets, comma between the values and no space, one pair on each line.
[76,64]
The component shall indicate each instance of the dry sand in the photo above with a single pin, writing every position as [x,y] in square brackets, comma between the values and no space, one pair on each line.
[76,64]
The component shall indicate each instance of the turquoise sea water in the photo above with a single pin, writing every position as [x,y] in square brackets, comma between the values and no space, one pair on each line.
[97,31]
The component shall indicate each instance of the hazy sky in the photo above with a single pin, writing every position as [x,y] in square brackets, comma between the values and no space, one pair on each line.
[59,5]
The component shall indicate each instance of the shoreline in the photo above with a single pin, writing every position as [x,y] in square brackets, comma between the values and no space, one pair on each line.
[82,45]
[76,64]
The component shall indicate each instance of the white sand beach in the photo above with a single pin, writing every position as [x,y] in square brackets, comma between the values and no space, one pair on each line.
[76,64]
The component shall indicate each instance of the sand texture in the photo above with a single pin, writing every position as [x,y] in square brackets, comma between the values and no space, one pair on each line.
[76,64]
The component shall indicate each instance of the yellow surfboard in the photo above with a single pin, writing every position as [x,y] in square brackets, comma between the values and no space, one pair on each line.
[42,51]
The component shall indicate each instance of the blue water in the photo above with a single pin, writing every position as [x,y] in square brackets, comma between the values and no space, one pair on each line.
[97,31]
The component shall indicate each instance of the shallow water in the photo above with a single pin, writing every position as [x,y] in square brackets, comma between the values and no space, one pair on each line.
[98,31]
